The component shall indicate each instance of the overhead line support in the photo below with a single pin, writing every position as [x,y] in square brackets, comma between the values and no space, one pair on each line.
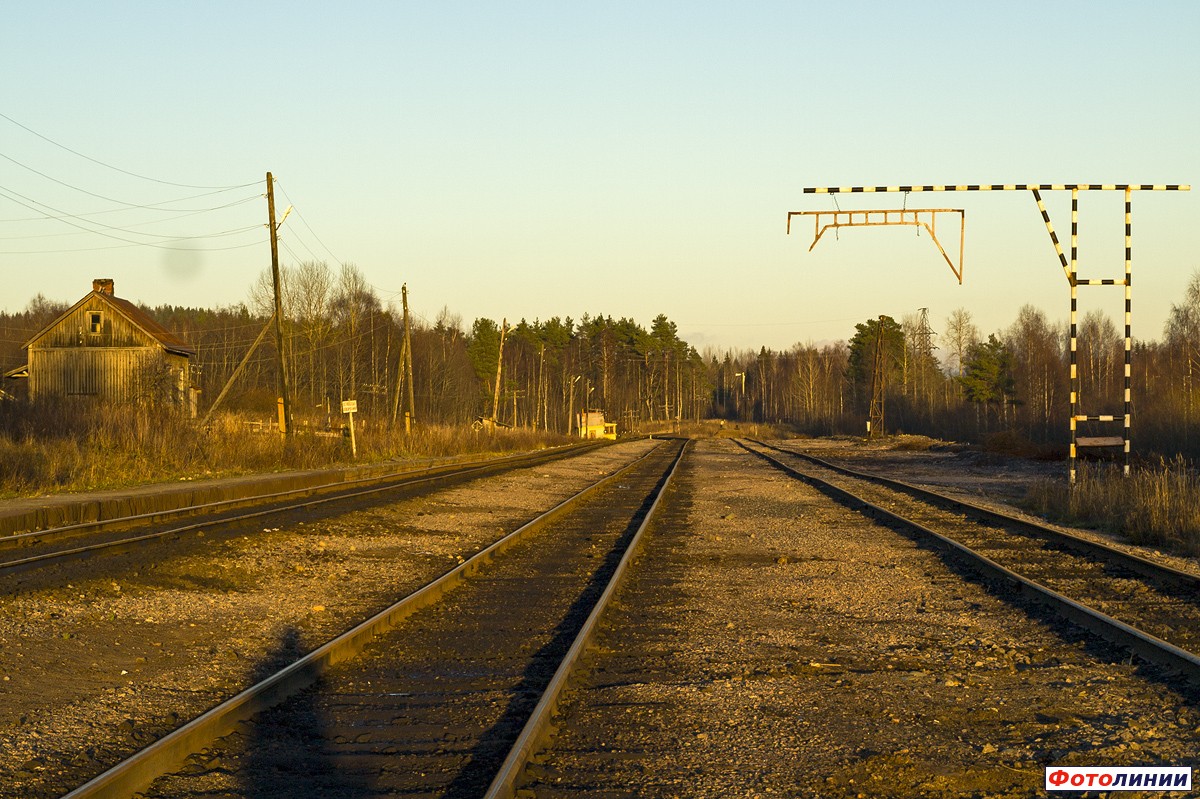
[1070,269]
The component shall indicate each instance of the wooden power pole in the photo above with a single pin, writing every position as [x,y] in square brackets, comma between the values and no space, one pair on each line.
[283,383]
[499,365]
[411,413]
[404,371]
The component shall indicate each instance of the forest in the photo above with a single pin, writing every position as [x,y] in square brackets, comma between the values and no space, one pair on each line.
[942,378]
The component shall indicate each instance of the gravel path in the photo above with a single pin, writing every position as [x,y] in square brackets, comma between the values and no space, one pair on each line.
[774,644]
[133,645]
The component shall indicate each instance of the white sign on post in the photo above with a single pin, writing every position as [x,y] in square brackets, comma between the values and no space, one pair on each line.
[351,407]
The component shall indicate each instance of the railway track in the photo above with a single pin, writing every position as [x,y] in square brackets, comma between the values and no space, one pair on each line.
[32,550]
[1149,608]
[449,701]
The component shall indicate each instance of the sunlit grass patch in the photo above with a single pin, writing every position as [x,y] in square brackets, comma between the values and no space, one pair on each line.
[69,447]
[1159,506]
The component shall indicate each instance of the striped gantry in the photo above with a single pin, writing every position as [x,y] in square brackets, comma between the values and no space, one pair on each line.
[1070,269]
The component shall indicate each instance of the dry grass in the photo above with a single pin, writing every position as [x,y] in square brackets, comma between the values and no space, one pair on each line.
[75,448]
[1157,506]
[907,443]
[1009,442]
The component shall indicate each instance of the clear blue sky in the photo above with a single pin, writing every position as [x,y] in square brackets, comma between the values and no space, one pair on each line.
[540,159]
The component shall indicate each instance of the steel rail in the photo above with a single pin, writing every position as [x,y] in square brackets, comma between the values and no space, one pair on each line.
[1149,647]
[33,537]
[170,751]
[1128,560]
[539,726]
[36,561]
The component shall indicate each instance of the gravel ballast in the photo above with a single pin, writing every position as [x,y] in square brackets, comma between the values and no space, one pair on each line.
[772,643]
[99,659]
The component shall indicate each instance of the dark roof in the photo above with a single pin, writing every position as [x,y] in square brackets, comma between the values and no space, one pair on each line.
[143,320]
[172,342]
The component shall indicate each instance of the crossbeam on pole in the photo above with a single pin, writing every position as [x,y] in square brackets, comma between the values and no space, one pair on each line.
[1070,269]
[1002,187]
[915,217]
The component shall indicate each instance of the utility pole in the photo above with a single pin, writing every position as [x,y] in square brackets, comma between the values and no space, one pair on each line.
[283,383]
[410,415]
[571,405]
[229,383]
[499,365]
[516,395]
[399,381]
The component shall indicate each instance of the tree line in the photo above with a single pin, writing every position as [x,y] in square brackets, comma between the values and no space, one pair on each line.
[959,384]
[342,341]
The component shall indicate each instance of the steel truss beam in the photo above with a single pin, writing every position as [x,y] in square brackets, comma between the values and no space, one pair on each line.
[914,217]
[1070,269]
[1003,187]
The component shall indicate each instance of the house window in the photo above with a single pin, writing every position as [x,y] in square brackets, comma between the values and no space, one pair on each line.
[95,321]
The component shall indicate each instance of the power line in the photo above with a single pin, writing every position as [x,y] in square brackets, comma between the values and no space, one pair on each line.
[132,244]
[168,236]
[185,212]
[67,217]
[296,257]
[116,168]
[105,197]
[282,191]
[388,293]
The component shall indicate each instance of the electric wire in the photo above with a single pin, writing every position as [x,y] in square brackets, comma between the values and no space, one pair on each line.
[148,206]
[295,257]
[184,215]
[116,168]
[67,217]
[388,294]
[167,236]
[283,191]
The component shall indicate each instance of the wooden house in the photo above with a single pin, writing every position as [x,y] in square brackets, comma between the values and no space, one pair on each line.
[109,349]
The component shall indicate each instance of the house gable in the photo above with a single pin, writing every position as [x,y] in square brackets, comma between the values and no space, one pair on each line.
[107,347]
[102,320]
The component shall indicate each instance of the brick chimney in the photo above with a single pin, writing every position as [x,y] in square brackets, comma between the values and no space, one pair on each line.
[103,285]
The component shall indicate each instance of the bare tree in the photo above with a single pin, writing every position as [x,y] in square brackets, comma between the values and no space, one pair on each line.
[311,289]
[353,304]
[1037,348]
[1099,352]
[961,333]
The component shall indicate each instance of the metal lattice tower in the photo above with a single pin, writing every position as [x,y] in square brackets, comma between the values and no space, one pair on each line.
[924,333]
[875,413]
[924,347]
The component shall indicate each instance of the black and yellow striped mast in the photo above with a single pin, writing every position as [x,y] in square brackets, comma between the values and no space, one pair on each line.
[1070,268]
